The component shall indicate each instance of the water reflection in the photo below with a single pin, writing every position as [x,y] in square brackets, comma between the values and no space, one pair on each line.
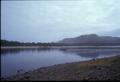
[18,50]
[87,53]
[33,58]
[92,53]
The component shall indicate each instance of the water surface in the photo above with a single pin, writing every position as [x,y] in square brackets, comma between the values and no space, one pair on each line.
[13,60]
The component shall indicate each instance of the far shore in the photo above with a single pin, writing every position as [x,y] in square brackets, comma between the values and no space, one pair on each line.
[62,47]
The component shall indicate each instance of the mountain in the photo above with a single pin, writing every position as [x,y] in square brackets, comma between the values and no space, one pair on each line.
[92,40]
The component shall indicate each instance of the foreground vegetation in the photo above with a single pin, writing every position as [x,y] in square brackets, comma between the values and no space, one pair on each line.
[96,69]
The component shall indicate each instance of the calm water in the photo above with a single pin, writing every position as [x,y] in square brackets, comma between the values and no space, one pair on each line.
[30,59]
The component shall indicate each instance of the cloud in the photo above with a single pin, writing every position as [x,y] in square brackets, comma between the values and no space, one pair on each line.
[115,33]
[53,20]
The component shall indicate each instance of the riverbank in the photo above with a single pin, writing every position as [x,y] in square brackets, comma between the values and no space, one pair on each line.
[96,69]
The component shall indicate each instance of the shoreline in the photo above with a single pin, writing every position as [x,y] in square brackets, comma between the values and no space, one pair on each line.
[61,47]
[96,69]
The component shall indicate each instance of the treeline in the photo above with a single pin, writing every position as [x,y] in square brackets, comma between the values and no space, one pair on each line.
[16,43]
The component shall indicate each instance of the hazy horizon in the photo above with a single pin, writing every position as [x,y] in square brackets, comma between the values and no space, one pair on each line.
[50,21]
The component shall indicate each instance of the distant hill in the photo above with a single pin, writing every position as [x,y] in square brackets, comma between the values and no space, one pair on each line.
[92,40]
[83,40]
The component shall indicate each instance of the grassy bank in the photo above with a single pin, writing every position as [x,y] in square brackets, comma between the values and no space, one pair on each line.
[99,69]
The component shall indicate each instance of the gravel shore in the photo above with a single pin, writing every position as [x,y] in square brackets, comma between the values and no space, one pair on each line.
[96,69]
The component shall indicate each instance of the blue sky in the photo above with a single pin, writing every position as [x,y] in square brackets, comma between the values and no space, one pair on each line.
[47,21]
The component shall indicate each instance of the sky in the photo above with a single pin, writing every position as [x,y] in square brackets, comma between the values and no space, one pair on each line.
[50,21]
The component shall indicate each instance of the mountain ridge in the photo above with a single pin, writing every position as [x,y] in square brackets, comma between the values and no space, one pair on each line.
[91,40]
